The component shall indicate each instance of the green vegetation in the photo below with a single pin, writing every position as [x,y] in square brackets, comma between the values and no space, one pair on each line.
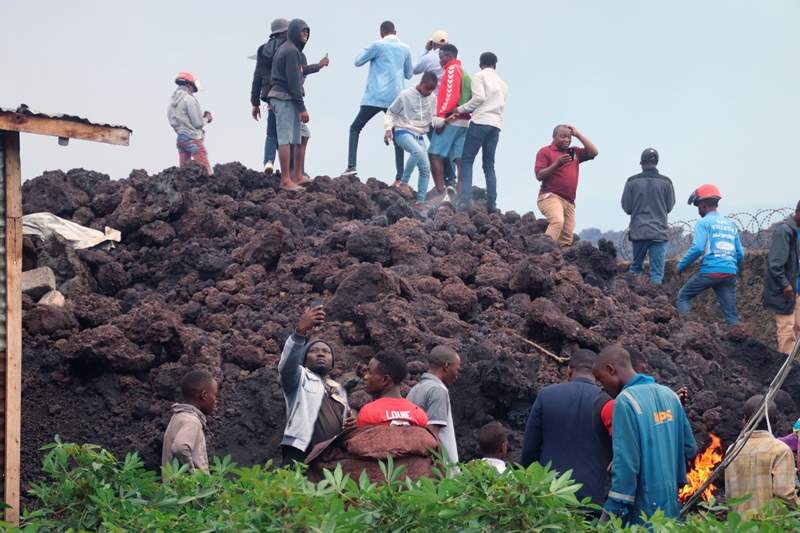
[91,490]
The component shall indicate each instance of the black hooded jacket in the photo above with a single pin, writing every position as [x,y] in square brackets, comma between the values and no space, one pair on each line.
[287,67]
[261,76]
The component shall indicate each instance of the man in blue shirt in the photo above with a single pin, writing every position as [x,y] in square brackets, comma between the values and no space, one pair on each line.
[390,66]
[652,441]
[716,239]
[560,430]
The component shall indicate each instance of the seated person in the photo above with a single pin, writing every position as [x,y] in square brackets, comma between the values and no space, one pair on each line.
[493,445]
[384,375]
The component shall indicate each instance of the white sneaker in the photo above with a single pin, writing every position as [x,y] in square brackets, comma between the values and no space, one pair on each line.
[450,195]
[351,171]
[269,167]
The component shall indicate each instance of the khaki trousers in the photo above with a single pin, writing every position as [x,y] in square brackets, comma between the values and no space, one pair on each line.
[561,215]
[788,329]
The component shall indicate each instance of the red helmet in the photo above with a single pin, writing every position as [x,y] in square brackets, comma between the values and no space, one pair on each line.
[186,78]
[705,192]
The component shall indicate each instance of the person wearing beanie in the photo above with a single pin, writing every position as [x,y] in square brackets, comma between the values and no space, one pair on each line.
[648,198]
[316,406]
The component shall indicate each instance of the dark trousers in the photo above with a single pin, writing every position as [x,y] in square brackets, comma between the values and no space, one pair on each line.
[365,114]
[290,454]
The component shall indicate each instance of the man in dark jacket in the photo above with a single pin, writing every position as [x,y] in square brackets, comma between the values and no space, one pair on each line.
[780,283]
[648,198]
[560,431]
[260,87]
[286,98]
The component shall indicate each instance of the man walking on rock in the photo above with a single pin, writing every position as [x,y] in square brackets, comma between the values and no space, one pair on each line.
[389,66]
[557,169]
[432,394]
[648,198]
[780,282]
[716,239]
[560,430]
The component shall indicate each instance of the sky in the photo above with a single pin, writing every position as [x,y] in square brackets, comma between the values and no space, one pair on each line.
[713,85]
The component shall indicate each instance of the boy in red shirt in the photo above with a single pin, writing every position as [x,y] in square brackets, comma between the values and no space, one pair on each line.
[384,375]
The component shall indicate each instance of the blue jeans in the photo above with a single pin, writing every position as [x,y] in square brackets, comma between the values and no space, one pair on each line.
[657,250]
[271,144]
[365,114]
[724,288]
[479,136]
[418,157]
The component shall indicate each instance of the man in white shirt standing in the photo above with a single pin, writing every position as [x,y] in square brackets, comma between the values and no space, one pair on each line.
[486,106]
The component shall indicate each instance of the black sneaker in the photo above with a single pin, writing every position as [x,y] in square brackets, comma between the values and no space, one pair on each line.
[351,171]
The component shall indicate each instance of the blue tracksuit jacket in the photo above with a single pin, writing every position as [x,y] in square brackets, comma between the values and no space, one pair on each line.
[652,442]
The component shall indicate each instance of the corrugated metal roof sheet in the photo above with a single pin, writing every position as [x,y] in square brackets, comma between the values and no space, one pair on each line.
[23,109]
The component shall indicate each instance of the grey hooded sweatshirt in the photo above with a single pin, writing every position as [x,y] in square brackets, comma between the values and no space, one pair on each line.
[286,80]
[185,115]
[185,438]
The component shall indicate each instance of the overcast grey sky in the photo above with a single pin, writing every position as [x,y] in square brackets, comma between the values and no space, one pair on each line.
[713,85]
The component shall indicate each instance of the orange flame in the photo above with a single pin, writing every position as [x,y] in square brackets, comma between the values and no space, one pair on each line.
[703,466]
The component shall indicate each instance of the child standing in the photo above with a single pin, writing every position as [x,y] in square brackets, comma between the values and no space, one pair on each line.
[410,117]
[493,445]
[185,438]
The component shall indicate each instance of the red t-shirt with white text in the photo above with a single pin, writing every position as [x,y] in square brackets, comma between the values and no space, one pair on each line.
[392,412]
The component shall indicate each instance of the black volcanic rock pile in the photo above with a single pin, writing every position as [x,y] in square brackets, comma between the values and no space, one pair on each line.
[215,271]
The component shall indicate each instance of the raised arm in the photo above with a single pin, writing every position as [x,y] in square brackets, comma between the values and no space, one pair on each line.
[292,355]
[591,149]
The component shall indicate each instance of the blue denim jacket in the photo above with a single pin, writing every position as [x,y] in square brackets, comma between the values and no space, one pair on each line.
[390,66]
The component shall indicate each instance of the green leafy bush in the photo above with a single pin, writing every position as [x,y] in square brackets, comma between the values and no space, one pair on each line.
[90,490]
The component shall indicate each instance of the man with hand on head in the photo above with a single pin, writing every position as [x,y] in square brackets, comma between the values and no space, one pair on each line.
[316,406]
[433,395]
[557,169]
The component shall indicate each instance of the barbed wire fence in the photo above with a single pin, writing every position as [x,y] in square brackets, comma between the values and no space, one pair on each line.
[755,232]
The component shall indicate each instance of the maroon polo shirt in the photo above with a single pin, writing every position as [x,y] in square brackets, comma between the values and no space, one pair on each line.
[564,181]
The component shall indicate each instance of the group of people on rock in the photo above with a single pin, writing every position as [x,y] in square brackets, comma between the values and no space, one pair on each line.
[458,114]
[648,197]
[625,438]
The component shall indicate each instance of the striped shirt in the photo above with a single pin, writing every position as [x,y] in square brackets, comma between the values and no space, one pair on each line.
[488,99]
[764,468]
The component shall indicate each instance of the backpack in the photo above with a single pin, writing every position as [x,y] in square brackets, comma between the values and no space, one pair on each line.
[466,88]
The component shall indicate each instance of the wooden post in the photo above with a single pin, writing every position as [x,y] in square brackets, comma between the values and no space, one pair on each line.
[13,323]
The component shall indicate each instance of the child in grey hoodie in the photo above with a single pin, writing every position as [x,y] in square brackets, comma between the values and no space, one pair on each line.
[185,438]
[407,120]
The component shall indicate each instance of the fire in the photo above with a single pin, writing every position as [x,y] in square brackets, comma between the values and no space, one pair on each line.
[704,464]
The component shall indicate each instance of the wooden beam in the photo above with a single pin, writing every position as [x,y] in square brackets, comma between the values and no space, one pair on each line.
[13,323]
[64,128]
